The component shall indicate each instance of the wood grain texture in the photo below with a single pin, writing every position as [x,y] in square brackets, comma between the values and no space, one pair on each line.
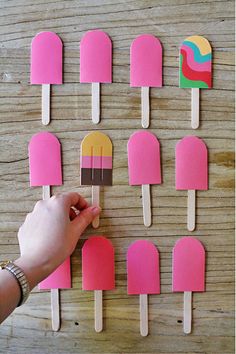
[28,330]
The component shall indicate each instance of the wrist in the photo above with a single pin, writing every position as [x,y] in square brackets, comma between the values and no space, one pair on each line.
[33,272]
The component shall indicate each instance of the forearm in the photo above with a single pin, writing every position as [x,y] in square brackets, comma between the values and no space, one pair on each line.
[9,294]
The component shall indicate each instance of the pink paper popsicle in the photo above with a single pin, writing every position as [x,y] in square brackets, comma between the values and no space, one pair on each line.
[46,59]
[144,160]
[188,273]
[98,270]
[145,69]
[59,279]
[143,276]
[188,265]
[96,57]
[143,268]
[46,66]
[45,160]
[191,171]
[96,65]
[146,62]
[144,164]
[191,164]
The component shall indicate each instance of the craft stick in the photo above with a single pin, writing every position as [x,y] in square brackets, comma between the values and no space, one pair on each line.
[46,104]
[187,311]
[146,200]
[195,108]
[191,210]
[96,201]
[98,310]
[55,309]
[55,305]
[143,308]
[145,107]
[95,102]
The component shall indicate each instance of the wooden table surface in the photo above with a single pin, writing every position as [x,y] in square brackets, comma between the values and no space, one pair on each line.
[28,330]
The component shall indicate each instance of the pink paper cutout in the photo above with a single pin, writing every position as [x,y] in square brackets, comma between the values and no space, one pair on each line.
[146,61]
[144,159]
[96,161]
[45,160]
[59,279]
[96,57]
[143,268]
[98,268]
[188,265]
[191,166]
[46,59]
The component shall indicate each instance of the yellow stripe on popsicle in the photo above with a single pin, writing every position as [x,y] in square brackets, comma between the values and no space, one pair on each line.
[94,143]
[202,43]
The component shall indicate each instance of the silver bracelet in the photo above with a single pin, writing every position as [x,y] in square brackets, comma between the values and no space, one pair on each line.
[20,277]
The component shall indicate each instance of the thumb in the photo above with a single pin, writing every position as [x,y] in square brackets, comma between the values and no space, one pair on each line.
[84,218]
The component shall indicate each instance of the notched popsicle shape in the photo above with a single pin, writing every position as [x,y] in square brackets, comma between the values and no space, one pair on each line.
[96,160]
[98,269]
[195,70]
[146,62]
[191,164]
[143,268]
[46,59]
[188,265]
[96,57]
[59,279]
[45,160]
[144,160]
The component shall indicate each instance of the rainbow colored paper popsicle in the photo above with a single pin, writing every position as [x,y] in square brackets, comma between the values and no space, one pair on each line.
[96,164]
[143,276]
[144,163]
[45,171]
[188,273]
[96,65]
[98,271]
[195,70]
[191,171]
[46,66]
[145,69]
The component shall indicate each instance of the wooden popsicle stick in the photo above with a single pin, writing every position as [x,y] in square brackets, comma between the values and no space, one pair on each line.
[46,104]
[46,192]
[191,210]
[96,201]
[143,309]
[55,310]
[98,310]
[195,108]
[187,312]
[146,200]
[95,102]
[55,304]
[145,107]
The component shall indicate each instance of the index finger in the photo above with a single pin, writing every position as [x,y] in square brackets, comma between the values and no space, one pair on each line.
[73,199]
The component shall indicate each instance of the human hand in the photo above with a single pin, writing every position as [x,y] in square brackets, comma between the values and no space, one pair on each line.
[50,234]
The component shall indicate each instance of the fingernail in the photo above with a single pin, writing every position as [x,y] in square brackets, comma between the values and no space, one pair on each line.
[95,210]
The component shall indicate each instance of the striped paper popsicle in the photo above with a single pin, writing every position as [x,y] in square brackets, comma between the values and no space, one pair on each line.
[96,164]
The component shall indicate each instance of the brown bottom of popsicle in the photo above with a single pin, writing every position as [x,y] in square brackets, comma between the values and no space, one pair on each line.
[96,176]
